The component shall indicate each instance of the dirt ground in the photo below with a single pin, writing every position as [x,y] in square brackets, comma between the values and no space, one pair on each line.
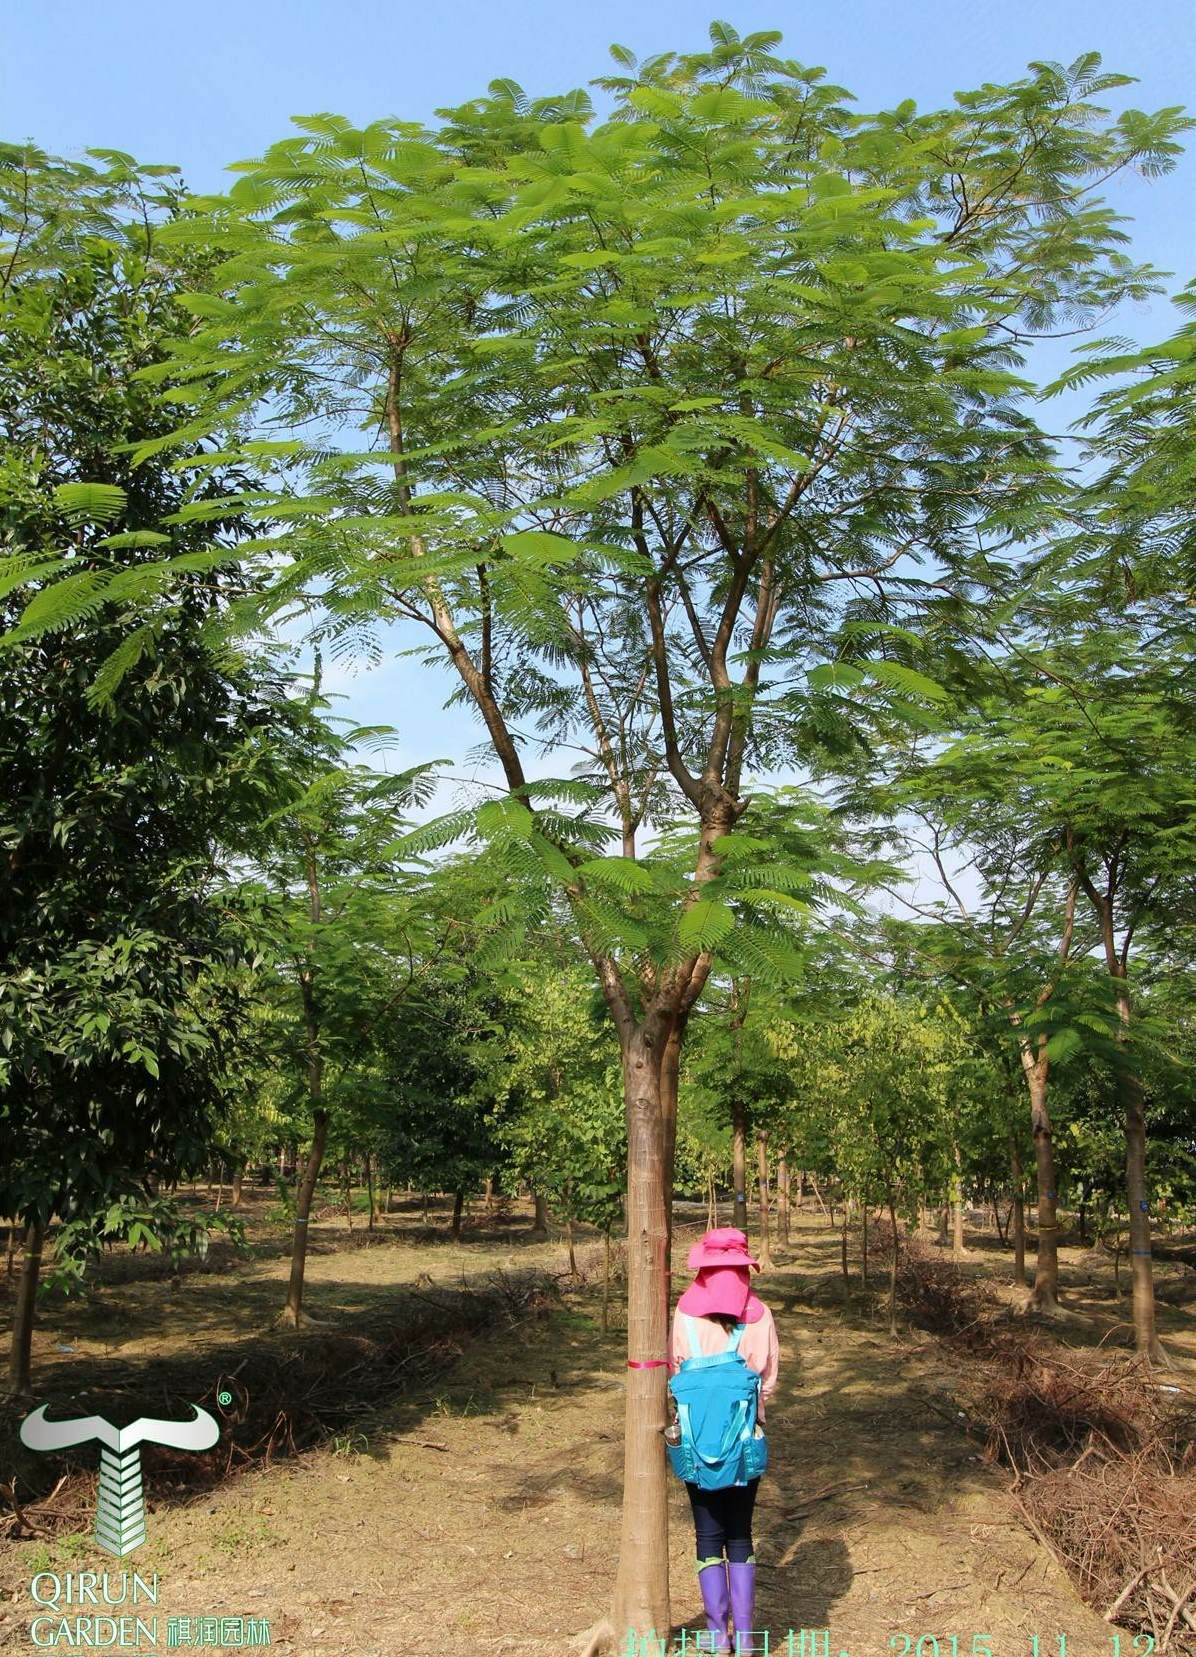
[480,1513]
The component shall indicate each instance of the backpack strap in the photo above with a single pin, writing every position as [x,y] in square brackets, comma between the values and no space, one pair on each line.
[733,1337]
[691,1335]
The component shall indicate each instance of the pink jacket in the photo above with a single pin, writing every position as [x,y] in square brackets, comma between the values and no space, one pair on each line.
[758,1343]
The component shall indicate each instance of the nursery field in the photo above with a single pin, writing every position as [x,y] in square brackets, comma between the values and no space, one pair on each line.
[475,1506]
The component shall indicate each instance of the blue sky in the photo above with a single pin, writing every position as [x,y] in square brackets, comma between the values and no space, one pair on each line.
[209,83]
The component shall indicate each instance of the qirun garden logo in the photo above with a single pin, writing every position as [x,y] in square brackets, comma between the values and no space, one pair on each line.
[120,1509]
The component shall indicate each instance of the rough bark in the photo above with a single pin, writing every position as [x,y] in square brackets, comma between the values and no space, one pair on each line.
[540,1221]
[21,1349]
[783,1201]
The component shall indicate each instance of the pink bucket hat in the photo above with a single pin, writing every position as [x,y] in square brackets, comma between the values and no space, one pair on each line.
[723,1283]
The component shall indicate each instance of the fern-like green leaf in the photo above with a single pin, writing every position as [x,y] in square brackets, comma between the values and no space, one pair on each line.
[89,503]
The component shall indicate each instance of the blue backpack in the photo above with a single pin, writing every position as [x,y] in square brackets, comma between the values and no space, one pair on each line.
[717,1398]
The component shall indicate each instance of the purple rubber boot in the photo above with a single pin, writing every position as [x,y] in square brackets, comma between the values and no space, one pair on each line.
[743,1602]
[716,1601]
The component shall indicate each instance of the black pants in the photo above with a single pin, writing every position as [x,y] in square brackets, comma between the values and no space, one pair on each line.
[723,1520]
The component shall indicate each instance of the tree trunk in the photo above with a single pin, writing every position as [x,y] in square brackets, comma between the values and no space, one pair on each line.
[11,1252]
[783,1201]
[762,1183]
[1002,1226]
[390,1191]
[1129,1088]
[346,1176]
[369,1185]
[455,1222]
[958,1248]
[670,1075]
[606,1281]
[711,1205]
[944,1217]
[489,1193]
[843,1247]
[864,1242]
[293,1310]
[1045,1292]
[830,1218]
[893,1265]
[238,1182]
[641,1600]
[569,1246]
[540,1222]
[739,1162]
[21,1349]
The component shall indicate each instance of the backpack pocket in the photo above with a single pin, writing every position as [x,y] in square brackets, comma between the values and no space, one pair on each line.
[755,1456]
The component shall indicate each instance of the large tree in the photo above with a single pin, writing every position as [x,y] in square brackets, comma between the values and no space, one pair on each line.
[120,1002]
[646,402]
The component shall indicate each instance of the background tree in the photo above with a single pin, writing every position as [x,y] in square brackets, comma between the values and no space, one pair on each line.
[121,1008]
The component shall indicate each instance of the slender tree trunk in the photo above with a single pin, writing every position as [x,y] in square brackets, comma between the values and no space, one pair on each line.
[843,1247]
[606,1281]
[292,1313]
[569,1247]
[944,1217]
[1019,1213]
[762,1184]
[739,1162]
[958,1247]
[641,1600]
[893,1264]
[455,1222]
[293,1310]
[1045,1292]
[783,1201]
[390,1191]
[1129,1088]
[369,1185]
[864,1242]
[489,1193]
[829,1218]
[21,1349]
[11,1252]
[711,1205]
[346,1176]
[540,1222]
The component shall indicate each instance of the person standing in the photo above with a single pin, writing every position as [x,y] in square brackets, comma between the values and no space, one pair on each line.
[719,1313]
